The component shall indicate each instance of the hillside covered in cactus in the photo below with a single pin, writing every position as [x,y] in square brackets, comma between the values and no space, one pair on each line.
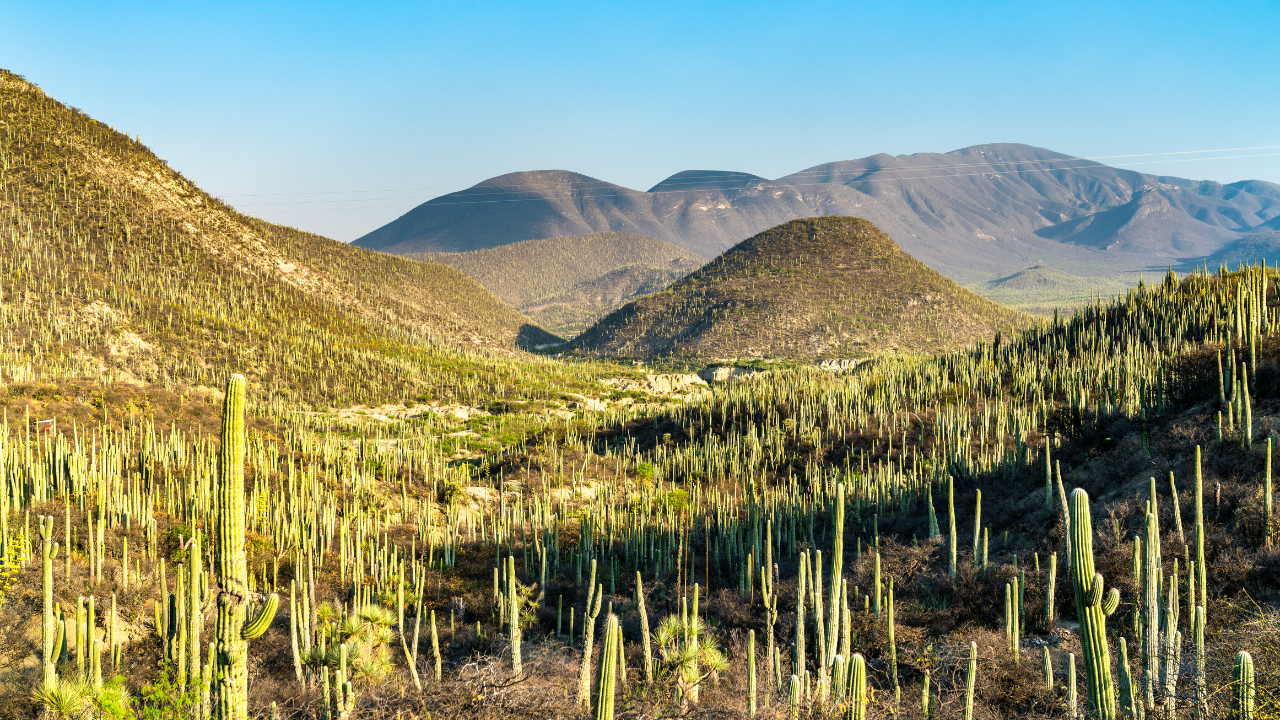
[1067,519]
[112,264]
[824,287]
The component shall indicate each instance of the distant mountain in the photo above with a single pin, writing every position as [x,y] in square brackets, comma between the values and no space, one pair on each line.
[132,273]
[817,288]
[1042,289]
[1252,248]
[566,283]
[975,214]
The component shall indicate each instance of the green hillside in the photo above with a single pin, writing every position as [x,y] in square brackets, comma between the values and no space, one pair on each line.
[147,278]
[824,287]
[566,283]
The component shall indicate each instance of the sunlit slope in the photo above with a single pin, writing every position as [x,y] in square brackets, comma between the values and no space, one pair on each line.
[114,265]
[824,287]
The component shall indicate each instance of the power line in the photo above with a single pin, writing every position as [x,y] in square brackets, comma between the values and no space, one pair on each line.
[628,192]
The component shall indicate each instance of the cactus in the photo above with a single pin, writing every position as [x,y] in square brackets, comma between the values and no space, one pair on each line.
[751,672]
[1048,670]
[1128,698]
[606,683]
[231,697]
[977,532]
[595,593]
[1073,704]
[1242,687]
[837,569]
[951,513]
[1092,611]
[644,631]
[48,625]
[798,660]
[1050,617]
[970,680]
[1266,500]
[1201,691]
[513,616]
[858,689]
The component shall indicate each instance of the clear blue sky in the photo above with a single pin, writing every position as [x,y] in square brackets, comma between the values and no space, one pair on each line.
[257,98]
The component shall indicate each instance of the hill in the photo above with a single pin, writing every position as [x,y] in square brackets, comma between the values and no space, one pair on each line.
[151,279]
[813,288]
[566,283]
[976,214]
[1043,289]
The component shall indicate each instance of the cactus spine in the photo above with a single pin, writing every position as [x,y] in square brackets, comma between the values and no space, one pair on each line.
[608,674]
[231,698]
[1092,610]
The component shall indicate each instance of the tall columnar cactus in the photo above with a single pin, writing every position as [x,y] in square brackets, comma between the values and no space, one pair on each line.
[513,616]
[644,631]
[858,688]
[606,683]
[1129,706]
[49,623]
[234,627]
[1201,689]
[977,530]
[837,568]
[951,513]
[1092,609]
[1073,704]
[1243,689]
[798,661]
[595,593]
[1151,613]
[970,680]
[1048,670]
[1050,617]
[751,672]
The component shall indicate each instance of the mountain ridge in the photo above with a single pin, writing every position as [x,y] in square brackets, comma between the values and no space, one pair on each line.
[977,213]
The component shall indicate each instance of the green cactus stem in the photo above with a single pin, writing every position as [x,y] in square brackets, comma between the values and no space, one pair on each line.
[1243,690]
[1091,611]
[608,674]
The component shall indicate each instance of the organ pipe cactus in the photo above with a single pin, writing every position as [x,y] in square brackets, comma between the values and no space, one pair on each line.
[513,616]
[1092,610]
[1243,689]
[970,680]
[48,624]
[595,593]
[234,626]
[608,674]
[858,688]
[793,698]
[644,631]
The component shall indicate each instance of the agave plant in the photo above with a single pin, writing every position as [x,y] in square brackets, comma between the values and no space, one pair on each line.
[67,698]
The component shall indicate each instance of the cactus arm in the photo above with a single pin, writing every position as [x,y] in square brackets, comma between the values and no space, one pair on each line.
[1093,629]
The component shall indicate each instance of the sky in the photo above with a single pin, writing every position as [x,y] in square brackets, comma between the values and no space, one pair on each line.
[338,117]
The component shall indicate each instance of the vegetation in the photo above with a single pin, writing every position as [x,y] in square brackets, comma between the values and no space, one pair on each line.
[536,544]
[1043,290]
[566,283]
[825,287]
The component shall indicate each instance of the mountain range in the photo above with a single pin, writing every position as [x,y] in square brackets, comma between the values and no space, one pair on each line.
[974,214]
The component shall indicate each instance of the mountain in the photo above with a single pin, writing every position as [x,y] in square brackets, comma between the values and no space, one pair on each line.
[815,288]
[566,283]
[113,265]
[976,214]
[1257,247]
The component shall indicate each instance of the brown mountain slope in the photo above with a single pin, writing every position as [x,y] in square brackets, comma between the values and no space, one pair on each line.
[566,283]
[146,277]
[975,214]
[815,288]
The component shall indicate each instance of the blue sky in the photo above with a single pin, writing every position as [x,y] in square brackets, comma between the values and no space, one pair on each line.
[264,102]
